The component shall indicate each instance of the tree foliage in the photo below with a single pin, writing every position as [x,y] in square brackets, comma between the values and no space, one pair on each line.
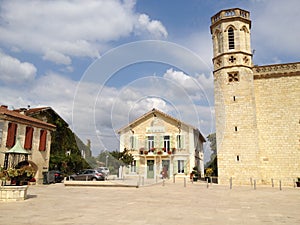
[63,140]
[213,163]
[125,157]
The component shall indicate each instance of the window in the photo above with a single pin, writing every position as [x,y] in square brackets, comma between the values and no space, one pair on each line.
[150,143]
[133,166]
[231,38]
[233,77]
[180,141]
[11,135]
[180,166]
[133,142]
[28,138]
[166,143]
[43,139]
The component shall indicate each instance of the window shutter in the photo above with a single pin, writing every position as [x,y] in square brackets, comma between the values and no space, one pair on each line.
[28,138]
[182,141]
[131,142]
[175,166]
[43,139]
[185,166]
[11,135]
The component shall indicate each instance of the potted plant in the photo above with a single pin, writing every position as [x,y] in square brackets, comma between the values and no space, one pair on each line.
[145,152]
[298,182]
[18,176]
[159,152]
[195,174]
[208,173]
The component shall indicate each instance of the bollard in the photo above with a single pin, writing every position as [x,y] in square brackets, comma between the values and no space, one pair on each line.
[272,181]
[207,183]
[251,181]
[294,182]
[86,178]
[163,183]
[230,182]
[210,180]
[174,179]
[143,180]
[184,182]
[280,185]
[254,184]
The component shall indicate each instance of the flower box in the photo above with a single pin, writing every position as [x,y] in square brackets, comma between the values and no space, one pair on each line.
[13,193]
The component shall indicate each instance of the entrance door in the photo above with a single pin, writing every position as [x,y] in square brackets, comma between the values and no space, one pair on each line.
[165,168]
[150,169]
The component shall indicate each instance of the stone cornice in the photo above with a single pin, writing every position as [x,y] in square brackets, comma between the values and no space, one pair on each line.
[276,70]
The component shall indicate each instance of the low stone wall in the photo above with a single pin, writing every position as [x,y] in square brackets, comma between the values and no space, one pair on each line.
[13,193]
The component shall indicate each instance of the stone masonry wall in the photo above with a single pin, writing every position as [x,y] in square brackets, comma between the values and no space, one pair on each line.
[278,120]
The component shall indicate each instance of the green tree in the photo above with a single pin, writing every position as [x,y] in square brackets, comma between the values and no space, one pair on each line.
[63,140]
[213,163]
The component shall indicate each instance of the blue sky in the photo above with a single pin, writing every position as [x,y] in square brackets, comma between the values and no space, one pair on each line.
[56,53]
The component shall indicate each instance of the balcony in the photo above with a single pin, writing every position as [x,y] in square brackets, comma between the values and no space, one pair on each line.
[157,151]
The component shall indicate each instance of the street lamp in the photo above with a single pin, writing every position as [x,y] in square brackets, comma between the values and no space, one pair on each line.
[106,161]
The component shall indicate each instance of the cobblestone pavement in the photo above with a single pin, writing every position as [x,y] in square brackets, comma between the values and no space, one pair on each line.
[157,204]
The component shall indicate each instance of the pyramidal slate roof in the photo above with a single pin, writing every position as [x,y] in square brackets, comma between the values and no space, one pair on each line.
[17,149]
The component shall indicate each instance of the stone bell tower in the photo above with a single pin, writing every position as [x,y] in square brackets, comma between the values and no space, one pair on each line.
[236,127]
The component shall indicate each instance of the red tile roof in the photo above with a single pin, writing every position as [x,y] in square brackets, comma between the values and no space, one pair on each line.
[18,116]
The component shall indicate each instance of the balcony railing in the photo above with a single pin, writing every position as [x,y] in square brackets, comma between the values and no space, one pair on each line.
[157,151]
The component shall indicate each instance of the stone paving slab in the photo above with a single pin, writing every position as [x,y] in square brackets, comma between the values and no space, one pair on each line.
[171,204]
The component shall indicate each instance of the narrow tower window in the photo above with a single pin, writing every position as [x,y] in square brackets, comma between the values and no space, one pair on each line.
[231,38]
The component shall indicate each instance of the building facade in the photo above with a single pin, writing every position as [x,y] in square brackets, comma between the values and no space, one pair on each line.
[257,108]
[162,146]
[34,136]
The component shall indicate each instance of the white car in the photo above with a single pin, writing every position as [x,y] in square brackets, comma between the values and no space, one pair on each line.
[104,170]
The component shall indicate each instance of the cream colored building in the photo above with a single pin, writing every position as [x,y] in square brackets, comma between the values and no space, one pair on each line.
[34,136]
[162,145]
[257,108]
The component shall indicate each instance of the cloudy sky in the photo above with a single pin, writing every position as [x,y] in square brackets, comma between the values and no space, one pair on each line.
[102,63]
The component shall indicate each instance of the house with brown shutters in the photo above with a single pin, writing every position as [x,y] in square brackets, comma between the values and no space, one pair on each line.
[33,134]
[162,146]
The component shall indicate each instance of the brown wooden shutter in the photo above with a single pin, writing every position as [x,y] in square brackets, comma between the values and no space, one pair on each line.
[28,138]
[11,135]
[43,139]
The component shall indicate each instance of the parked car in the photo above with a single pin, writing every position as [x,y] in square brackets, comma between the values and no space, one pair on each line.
[58,177]
[52,176]
[88,174]
[104,170]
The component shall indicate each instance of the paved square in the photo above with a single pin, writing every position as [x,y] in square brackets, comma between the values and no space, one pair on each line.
[157,204]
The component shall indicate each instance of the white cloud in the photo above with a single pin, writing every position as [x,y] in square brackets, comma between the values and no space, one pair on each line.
[12,71]
[63,29]
[57,57]
[154,27]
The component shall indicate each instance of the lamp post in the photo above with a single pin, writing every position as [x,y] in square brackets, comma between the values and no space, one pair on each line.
[106,160]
